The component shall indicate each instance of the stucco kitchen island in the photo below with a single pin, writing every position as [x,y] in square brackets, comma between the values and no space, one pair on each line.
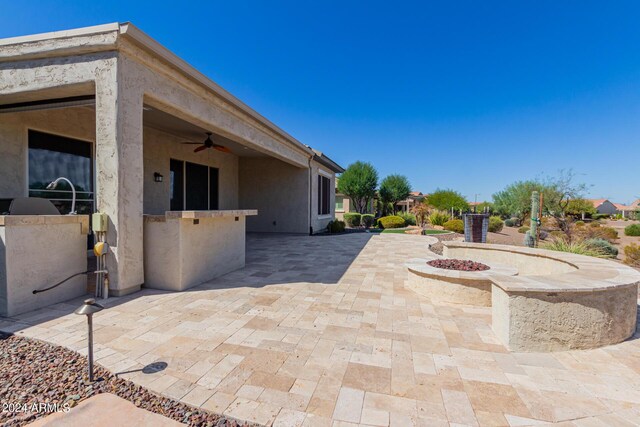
[185,248]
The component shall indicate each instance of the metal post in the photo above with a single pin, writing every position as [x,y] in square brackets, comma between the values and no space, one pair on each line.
[90,355]
[533,231]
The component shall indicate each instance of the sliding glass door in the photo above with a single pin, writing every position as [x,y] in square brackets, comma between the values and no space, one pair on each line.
[193,187]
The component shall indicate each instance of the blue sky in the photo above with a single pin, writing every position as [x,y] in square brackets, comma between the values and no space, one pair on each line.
[465,95]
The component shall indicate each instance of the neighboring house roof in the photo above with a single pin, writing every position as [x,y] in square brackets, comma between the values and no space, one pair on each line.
[635,204]
[416,194]
[621,207]
[597,202]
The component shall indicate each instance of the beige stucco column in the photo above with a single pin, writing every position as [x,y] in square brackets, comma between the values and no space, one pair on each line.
[119,175]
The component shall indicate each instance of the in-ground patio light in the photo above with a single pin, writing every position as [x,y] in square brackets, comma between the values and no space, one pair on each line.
[89,308]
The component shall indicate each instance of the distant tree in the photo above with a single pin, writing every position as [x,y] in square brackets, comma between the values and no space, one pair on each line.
[394,188]
[359,182]
[484,207]
[576,207]
[445,200]
[557,192]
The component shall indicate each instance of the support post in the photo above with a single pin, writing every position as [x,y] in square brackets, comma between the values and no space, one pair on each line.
[535,211]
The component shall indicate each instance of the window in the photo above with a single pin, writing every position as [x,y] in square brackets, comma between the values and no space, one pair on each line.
[339,204]
[53,156]
[324,195]
[193,187]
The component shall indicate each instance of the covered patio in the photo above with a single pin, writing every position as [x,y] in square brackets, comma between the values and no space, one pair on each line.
[109,110]
[287,341]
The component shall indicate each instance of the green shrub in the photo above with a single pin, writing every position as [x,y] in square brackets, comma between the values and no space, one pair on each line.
[579,223]
[438,218]
[632,255]
[594,224]
[511,222]
[638,215]
[336,226]
[352,219]
[367,220]
[495,224]
[632,230]
[391,221]
[523,229]
[600,216]
[575,247]
[409,218]
[604,246]
[455,225]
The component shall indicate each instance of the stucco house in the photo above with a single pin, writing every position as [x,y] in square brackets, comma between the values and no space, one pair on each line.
[344,205]
[604,206]
[110,109]
[414,198]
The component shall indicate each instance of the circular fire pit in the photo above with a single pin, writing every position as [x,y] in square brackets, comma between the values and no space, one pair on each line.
[455,281]
[458,264]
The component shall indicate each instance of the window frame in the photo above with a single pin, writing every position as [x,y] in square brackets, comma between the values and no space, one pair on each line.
[324,195]
[209,182]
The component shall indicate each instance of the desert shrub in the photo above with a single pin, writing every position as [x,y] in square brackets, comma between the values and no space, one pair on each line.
[367,220]
[455,225]
[603,245]
[557,234]
[600,216]
[391,221]
[632,230]
[609,233]
[336,226]
[575,247]
[523,229]
[632,255]
[409,218]
[352,219]
[495,224]
[511,222]
[438,218]
[548,222]
[638,215]
[594,224]
[579,223]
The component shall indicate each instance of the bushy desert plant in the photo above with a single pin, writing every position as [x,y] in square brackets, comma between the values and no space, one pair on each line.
[579,223]
[575,247]
[409,218]
[604,245]
[352,219]
[632,230]
[632,255]
[336,226]
[438,218]
[421,212]
[599,232]
[455,225]
[367,220]
[523,229]
[512,222]
[391,221]
[495,224]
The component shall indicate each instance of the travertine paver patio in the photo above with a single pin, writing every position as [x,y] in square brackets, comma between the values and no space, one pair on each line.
[321,331]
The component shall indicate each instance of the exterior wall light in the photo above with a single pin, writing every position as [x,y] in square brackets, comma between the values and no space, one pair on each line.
[157,177]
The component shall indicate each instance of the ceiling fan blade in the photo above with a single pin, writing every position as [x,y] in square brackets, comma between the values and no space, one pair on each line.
[202,147]
[221,148]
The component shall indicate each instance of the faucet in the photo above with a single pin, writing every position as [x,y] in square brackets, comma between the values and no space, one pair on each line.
[54,184]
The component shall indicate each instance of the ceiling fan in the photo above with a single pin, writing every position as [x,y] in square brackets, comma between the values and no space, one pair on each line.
[208,143]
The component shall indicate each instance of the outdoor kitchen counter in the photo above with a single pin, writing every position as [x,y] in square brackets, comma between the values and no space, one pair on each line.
[37,251]
[183,249]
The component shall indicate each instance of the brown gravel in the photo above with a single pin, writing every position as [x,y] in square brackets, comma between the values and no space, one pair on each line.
[35,372]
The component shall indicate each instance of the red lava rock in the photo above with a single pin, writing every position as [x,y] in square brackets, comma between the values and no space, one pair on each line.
[458,264]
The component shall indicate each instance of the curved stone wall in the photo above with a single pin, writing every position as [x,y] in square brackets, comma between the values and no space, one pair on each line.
[558,301]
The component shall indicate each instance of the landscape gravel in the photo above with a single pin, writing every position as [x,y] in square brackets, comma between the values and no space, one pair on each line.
[33,373]
[458,264]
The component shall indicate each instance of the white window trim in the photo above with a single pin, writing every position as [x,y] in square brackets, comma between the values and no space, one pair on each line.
[325,173]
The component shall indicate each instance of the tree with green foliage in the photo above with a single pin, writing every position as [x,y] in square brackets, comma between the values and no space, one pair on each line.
[557,192]
[577,207]
[393,189]
[445,200]
[359,182]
